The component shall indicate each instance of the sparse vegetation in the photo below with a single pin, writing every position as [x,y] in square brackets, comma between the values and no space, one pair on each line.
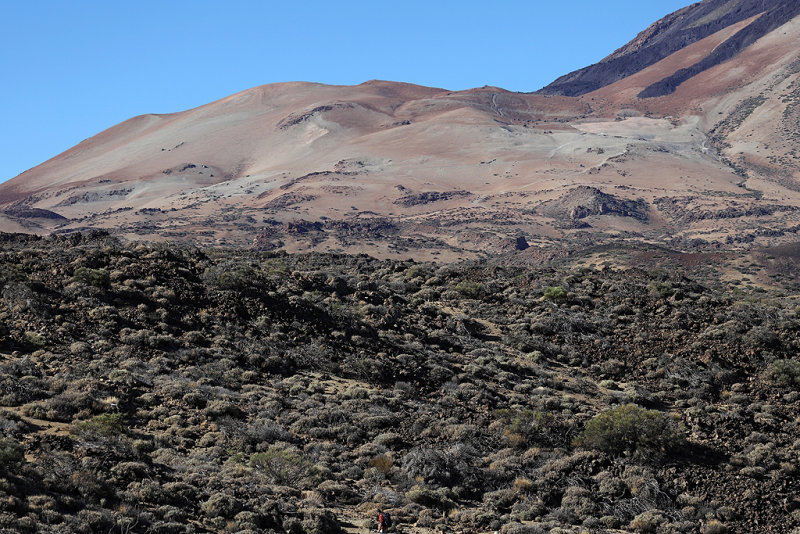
[306,390]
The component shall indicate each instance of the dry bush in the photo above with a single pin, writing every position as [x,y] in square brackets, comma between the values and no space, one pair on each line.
[280,464]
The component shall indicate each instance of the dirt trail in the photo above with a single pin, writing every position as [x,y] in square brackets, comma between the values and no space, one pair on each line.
[39,426]
[493,328]
[494,105]
[354,521]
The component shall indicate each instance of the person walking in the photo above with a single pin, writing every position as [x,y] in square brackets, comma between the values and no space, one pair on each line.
[384,522]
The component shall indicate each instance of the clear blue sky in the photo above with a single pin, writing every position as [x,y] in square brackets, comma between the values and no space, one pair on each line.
[74,68]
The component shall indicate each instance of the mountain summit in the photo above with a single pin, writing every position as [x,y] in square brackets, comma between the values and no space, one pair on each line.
[675,32]
[687,136]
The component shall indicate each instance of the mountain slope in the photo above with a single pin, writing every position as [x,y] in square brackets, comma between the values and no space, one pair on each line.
[675,32]
[399,170]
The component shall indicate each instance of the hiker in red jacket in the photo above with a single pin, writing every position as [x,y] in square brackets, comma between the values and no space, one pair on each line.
[381,523]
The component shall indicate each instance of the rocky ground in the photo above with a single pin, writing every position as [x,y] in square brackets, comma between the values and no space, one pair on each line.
[150,388]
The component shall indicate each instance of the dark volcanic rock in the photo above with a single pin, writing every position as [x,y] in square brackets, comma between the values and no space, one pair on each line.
[33,213]
[585,201]
[426,197]
[772,19]
[680,209]
[303,227]
[210,390]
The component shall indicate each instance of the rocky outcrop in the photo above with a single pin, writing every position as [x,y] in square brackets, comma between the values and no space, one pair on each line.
[416,199]
[297,118]
[683,210]
[585,201]
[33,213]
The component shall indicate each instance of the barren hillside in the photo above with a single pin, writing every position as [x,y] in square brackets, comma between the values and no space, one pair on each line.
[398,170]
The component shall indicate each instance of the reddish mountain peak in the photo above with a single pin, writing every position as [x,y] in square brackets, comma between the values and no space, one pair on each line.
[401,170]
[672,34]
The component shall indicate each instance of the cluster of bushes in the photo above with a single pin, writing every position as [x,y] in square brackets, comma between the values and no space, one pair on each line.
[152,388]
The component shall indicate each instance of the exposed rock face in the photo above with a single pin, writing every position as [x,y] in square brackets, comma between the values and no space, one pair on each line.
[33,213]
[426,197]
[684,209]
[586,201]
[674,32]
[771,19]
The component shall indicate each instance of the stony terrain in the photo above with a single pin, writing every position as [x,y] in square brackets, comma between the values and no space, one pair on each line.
[152,388]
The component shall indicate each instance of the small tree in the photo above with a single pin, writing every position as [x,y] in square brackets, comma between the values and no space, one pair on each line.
[281,465]
[555,294]
[631,430]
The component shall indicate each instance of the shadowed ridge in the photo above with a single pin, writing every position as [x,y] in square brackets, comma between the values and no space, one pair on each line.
[671,34]
[764,24]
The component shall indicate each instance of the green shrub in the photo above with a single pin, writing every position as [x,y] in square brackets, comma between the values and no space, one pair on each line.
[784,373]
[35,339]
[470,289]
[281,465]
[501,500]
[92,277]
[714,527]
[580,501]
[221,505]
[648,522]
[555,294]
[230,276]
[660,289]
[11,453]
[276,267]
[105,425]
[382,463]
[417,270]
[630,429]
[233,279]
[320,522]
